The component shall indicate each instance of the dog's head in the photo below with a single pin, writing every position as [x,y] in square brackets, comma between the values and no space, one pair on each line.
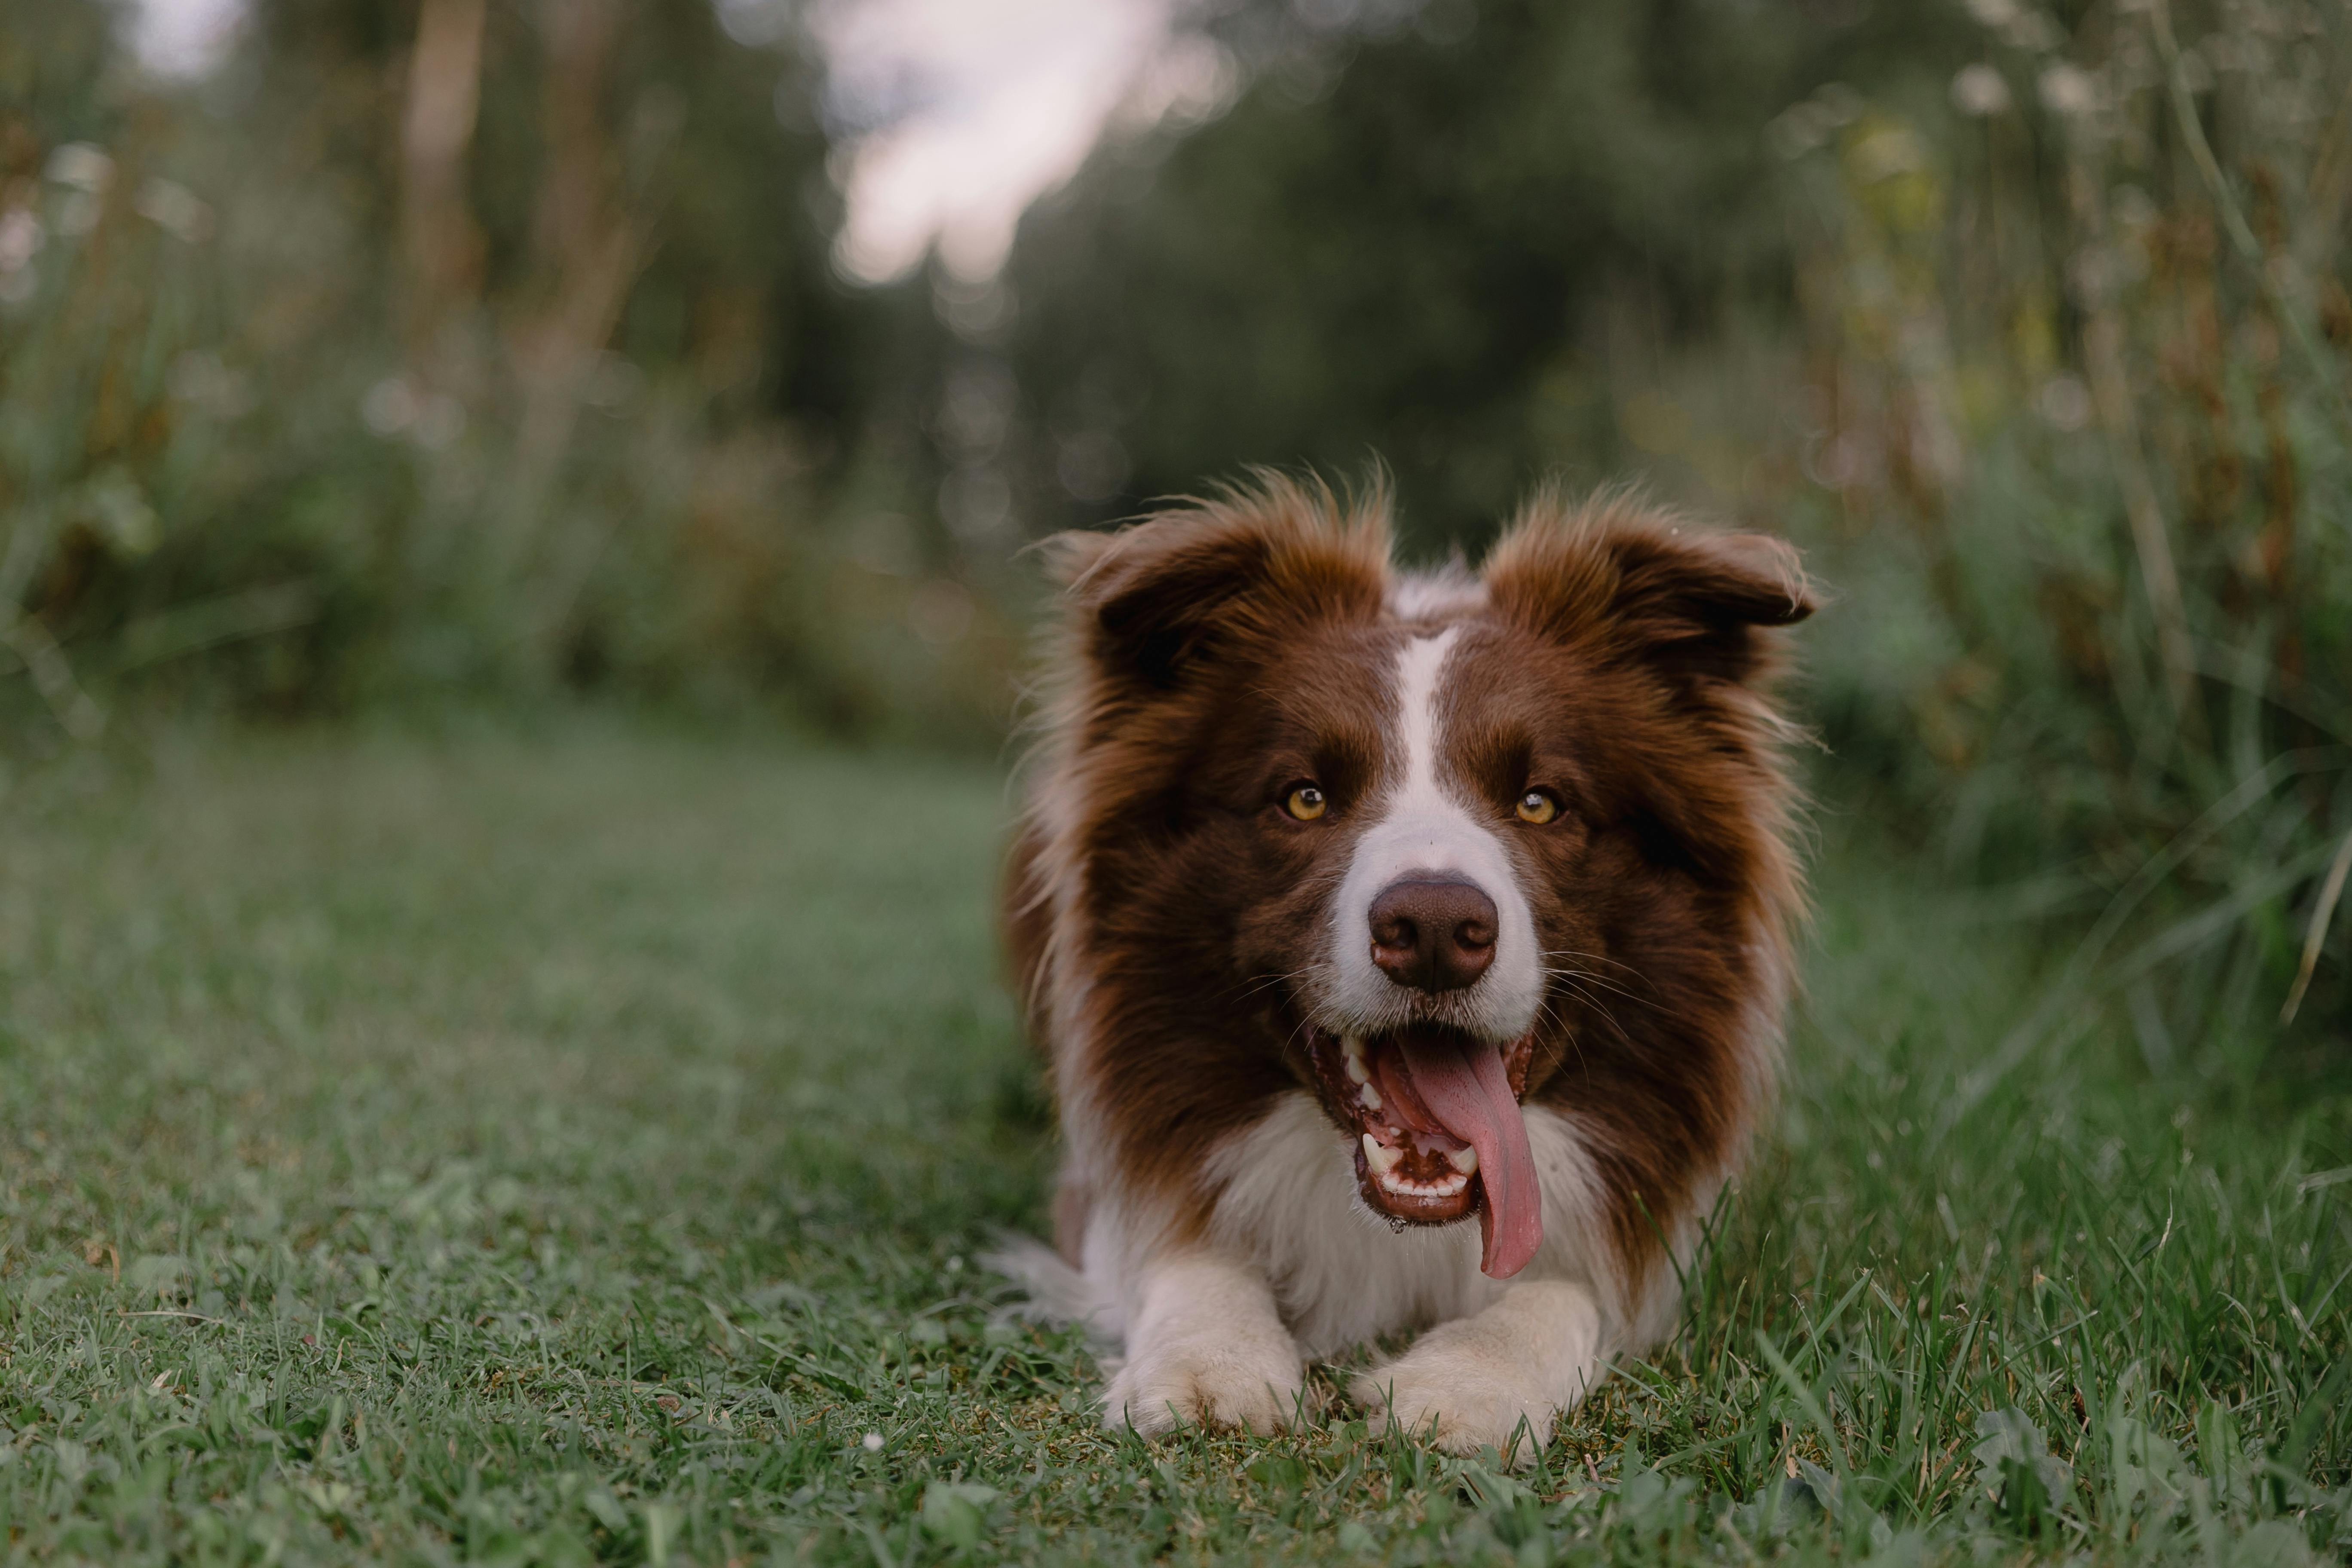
[1430,844]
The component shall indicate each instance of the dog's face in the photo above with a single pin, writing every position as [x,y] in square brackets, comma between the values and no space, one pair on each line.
[1414,844]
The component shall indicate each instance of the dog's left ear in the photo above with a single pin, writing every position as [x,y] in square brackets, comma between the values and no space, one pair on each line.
[1615,574]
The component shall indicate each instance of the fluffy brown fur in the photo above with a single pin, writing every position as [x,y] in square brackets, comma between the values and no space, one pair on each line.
[1171,922]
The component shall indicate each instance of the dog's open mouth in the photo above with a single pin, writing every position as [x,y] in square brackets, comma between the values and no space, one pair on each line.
[1439,1132]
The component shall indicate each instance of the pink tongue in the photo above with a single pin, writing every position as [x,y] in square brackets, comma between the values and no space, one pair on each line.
[1466,1089]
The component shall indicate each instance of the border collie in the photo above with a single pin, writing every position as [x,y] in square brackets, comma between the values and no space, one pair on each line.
[1353,905]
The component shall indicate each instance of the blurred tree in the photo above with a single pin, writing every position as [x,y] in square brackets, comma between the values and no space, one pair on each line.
[1410,219]
[97,301]
[510,355]
[629,172]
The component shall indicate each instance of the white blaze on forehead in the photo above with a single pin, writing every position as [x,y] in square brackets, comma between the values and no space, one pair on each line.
[1417,670]
[1420,824]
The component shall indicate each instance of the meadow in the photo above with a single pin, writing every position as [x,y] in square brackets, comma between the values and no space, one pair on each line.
[575,1141]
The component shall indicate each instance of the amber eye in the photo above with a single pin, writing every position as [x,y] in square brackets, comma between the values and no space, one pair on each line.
[1538,806]
[1306,803]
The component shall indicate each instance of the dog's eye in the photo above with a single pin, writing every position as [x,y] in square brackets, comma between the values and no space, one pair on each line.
[1538,806]
[1306,803]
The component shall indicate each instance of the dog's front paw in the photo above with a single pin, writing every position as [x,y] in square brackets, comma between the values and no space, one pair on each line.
[1231,1381]
[1470,1384]
[1458,1397]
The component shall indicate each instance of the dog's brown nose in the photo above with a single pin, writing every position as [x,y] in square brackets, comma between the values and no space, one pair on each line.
[1433,933]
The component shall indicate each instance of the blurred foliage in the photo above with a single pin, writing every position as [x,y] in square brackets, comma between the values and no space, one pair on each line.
[492,347]
[1448,236]
[2078,449]
[2030,323]
[456,348]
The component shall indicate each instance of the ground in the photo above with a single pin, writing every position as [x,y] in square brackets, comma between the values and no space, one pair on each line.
[576,1144]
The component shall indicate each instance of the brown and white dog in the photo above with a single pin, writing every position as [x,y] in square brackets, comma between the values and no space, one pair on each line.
[1350,903]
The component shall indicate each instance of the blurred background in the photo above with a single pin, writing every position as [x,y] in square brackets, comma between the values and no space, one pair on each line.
[719,357]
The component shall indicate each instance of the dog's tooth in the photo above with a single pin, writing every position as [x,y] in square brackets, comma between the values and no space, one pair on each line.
[1370,1096]
[1464,1160]
[1381,1157]
[1352,1050]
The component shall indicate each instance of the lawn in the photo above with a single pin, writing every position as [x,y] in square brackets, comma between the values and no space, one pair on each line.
[480,1147]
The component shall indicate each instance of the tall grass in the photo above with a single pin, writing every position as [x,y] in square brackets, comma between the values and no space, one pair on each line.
[2075,347]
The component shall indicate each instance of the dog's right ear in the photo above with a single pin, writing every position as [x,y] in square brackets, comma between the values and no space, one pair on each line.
[1156,599]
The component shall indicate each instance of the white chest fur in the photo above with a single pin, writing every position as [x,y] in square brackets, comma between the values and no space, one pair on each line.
[1339,1273]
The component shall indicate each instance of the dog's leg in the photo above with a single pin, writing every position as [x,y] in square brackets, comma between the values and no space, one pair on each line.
[1072,1199]
[1205,1347]
[1529,1356]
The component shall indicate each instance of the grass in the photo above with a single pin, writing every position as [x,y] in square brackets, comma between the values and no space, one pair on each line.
[482,1149]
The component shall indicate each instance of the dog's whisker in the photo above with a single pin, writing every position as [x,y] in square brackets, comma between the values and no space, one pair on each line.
[1607,1016]
[1597,957]
[1569,983]
[1250,988]
[1600,980]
